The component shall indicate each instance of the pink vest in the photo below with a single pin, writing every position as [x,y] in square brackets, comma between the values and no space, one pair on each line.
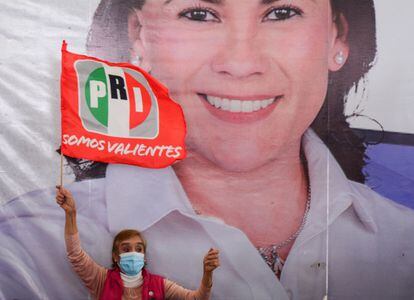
[152,286]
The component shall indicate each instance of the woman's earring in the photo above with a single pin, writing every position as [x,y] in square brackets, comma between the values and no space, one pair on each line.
[340,58]
[136,60]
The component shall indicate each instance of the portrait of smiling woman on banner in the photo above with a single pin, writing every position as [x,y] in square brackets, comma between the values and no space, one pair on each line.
[273,176]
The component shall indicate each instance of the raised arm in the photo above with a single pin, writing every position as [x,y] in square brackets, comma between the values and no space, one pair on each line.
[92,274]
[65,200]
[173,291]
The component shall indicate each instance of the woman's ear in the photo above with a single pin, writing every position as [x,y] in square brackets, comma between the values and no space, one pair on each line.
[339,50]
[115,257]
[137,51]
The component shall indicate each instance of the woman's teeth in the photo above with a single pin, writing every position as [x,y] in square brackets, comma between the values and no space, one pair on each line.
[245,106]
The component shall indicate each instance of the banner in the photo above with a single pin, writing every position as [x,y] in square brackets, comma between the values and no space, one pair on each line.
[299,145]
[117,113]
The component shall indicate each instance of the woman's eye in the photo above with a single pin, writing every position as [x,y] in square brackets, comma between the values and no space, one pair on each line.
[199,15]
[282,13]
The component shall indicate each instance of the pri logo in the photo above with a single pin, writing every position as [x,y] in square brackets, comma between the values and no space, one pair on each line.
[116,101]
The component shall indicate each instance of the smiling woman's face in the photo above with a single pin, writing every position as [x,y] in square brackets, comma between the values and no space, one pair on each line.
[251,75]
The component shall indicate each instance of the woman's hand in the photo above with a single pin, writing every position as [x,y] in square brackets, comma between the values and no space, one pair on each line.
[65,200]
[211,262]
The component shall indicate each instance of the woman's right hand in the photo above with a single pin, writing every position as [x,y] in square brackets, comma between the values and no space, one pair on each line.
[65,200]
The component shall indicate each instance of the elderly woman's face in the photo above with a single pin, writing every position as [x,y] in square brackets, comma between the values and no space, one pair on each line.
[251,75]
[133,244]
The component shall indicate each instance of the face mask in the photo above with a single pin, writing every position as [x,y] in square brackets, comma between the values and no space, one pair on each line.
[131,263]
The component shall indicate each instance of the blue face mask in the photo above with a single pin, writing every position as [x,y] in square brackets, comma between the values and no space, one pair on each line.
[131,263]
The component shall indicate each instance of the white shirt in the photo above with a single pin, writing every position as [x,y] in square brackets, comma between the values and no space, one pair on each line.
[371,239]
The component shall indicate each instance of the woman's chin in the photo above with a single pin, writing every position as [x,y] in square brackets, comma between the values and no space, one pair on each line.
[234,156]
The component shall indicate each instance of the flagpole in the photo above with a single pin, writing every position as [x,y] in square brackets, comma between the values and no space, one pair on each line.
[64,47]
[61,167]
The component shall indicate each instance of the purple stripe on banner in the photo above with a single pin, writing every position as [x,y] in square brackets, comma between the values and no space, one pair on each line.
[390,172]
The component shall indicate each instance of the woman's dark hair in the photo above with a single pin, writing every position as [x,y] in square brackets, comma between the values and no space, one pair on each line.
[331,124]
[108,39]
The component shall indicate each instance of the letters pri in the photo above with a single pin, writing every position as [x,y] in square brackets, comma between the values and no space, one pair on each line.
[116,101]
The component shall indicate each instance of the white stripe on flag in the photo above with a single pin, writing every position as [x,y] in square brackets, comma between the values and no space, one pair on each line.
[138,100]
[118,109]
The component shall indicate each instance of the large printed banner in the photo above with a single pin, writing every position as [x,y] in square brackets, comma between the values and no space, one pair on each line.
[117,113]
[299,144]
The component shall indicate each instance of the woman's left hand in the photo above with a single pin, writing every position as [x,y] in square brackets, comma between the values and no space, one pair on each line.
[211,260]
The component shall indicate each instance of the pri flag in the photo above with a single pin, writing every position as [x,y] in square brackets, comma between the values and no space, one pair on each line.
[118,113]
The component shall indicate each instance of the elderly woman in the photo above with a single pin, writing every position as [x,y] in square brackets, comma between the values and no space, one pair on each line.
[128,279]
[272,168]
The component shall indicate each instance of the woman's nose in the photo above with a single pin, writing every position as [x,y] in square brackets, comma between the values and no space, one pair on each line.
[240,57]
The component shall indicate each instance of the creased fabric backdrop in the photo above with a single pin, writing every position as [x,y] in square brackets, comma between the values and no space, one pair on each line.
[31,33]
